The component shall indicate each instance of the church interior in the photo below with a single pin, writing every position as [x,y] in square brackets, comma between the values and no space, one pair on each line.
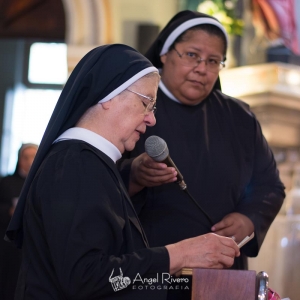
[260,69]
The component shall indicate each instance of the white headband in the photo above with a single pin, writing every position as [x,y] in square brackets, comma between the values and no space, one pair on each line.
[186,25]
[128,83]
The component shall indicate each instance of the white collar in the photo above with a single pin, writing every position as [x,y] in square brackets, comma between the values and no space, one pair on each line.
[92,138]
[167,92]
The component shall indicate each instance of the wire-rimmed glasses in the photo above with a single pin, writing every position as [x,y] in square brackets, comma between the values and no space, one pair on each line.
[149,106]
[191,59]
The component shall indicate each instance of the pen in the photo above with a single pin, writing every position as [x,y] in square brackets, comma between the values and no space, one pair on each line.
[246,240]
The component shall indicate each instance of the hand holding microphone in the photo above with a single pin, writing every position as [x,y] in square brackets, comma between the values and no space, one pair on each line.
[158,150]
[146,172]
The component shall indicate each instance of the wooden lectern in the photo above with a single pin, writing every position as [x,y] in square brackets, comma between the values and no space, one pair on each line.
[214,284]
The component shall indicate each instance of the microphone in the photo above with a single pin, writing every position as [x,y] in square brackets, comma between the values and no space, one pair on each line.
[158,150]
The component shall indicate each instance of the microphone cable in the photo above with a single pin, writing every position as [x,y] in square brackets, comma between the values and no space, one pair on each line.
[197,204]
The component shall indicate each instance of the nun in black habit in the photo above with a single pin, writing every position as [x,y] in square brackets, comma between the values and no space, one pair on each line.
[80,235]
[215,141]
[73,211]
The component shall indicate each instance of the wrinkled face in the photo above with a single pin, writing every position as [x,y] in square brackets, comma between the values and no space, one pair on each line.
[191,85]
[26,159]
[131,118]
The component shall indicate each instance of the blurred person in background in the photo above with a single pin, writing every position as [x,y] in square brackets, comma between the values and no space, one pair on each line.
[10,189]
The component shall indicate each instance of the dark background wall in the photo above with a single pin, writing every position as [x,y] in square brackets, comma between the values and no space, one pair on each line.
[43,19]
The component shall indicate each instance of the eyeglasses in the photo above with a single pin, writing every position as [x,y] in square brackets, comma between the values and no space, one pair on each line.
[191,59]
[149,107]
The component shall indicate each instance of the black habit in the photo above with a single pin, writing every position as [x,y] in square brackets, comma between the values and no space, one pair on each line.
[74,219]
[226,163]
[219,148]
[80,225]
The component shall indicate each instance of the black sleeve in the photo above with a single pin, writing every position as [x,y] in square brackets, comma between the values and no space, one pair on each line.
[264,195]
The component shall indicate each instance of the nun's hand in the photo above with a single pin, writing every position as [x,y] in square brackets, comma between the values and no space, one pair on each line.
[145,172]
[234,225]
[205,251]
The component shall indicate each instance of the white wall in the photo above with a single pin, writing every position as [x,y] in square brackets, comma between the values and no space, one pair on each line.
[91,23]
[129,12]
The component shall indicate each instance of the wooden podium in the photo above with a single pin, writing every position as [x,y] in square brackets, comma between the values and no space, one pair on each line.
[214,284]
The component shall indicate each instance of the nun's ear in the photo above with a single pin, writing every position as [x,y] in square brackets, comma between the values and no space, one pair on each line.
[106,105]
[163,58]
